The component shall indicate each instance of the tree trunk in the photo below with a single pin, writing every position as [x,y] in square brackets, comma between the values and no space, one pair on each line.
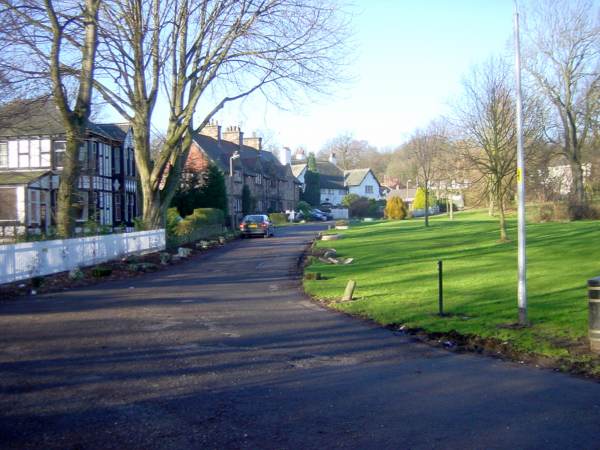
[577,185]
[503,235]
[154,212]
[451,207]
[426,207]
[69,177]
[491,206]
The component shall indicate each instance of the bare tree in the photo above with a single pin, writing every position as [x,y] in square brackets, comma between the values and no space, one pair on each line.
[345,149]
[426,148]
[486,119]
[56,40]
[204,54]
[562,55]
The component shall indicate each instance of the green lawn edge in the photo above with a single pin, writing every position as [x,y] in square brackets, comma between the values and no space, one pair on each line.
[395,267]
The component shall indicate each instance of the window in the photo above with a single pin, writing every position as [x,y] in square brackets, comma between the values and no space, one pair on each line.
[117,161]
[59,147]
[117,207]
[3,154]
[129,162]
[34,153]
[8,204]
[45,160]
[131,206]
[258,179]
[368,189]
[23,153]
[83,156]
[237,176]
[34,207]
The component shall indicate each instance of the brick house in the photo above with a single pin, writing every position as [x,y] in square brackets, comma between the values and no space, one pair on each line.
[32,151]
[244,162]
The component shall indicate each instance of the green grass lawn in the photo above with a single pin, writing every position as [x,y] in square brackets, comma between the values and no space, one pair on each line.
[395,268]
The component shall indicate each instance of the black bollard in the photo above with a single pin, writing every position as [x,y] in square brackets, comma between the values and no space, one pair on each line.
[440,289]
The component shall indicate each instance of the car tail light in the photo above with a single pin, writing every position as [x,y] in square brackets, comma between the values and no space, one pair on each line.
[264,225]
[242,225]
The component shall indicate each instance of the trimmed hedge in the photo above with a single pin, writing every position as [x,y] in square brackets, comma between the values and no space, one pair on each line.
[278,218]
[209,216]
[201,224]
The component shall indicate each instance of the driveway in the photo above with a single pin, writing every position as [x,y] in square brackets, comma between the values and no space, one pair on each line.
[224,351]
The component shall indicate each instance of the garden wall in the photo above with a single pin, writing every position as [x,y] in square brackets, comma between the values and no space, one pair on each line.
[32,259]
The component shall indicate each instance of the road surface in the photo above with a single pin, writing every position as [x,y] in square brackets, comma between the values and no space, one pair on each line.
[224,351]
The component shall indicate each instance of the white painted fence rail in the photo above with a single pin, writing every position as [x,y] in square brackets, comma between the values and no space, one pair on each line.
[32,259]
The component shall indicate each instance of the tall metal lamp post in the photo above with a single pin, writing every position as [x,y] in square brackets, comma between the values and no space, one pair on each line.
[235,155]
[522,256]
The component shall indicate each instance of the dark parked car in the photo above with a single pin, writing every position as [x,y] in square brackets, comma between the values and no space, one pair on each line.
[257,225]
[327,214]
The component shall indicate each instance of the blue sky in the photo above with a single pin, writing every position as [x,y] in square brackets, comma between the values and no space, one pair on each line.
[408,64]
[409,58]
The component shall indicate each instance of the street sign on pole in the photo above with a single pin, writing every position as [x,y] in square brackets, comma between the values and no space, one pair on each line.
[522,256]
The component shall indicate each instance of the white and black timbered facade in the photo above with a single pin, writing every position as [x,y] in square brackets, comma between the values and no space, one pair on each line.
[32,154]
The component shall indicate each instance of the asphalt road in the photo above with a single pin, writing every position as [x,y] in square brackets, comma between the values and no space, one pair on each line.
[225,352]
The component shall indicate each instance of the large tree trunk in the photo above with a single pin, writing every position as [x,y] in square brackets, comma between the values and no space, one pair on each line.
[451,206]
[502,218]
[577,185]
[154,212]
[491,205]
[69,177]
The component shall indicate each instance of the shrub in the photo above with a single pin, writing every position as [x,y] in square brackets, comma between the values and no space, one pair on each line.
[419,201]
[545,213]
[101,271]
[304,207]
[37,282]
[349,199]
[395,209]
[209,216]
[278,218]
[173,218]
[581,212]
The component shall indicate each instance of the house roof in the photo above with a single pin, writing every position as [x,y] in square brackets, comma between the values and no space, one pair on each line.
[402,193]
[355,176]
[330,175]
[10,178]
[298,168]
[253,161]
[41,117]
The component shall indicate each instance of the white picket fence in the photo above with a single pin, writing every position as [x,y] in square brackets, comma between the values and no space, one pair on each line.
[32,259]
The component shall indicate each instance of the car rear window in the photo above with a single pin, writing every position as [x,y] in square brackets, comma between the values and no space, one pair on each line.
[254,219]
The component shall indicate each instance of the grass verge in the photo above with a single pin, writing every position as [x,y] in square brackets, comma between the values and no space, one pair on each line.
[395,267]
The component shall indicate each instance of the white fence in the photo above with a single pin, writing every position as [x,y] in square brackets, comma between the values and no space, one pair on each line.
[339,213]
[32,259]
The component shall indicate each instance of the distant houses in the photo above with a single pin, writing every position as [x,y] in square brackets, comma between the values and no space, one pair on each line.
[32,154]
[336,183]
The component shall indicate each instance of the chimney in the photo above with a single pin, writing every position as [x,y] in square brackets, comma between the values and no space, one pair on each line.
[255,142]
[234,134]
[213,130]
[285,156]
[332,159]
[300,154]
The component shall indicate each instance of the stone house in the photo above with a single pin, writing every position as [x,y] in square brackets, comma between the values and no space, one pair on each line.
[271,182]
[32,152]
